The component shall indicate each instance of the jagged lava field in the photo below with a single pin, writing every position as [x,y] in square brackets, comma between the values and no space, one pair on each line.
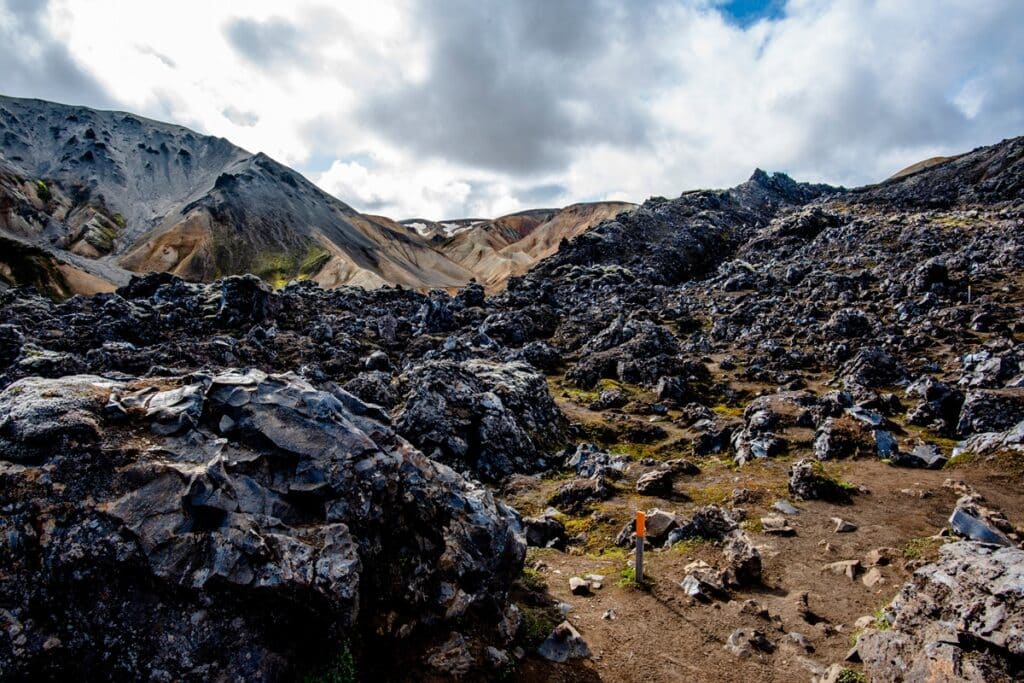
[815,393]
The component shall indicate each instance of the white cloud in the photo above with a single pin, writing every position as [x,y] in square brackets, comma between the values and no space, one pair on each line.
[415,190]
[607,101]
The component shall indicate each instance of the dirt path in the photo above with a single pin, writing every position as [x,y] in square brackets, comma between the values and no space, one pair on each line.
[661,634]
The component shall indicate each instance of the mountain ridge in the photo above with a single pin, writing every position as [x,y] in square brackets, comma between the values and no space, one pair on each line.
[109,193]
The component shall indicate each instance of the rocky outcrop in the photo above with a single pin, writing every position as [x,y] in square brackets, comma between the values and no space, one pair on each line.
[807,481]
[991,410]
[490,419]
[227,526]
[633,351]
[959,618]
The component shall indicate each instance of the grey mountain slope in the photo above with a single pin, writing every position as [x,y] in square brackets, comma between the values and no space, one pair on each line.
[196,205]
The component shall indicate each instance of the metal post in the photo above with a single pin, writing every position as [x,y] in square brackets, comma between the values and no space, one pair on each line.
[641,533]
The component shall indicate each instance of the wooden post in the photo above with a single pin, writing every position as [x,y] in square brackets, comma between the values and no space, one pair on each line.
[641,532]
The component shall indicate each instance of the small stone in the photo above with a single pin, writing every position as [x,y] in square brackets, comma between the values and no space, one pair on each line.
[849,568]
[864,622]
[452,657]
[702,586]
[843,526]
[608,615]
[798,640]
[785,507]
[975,528]
[564,643]
[741,496]
[873,577]
[578,586]
[498,659]
[879,557]
[777,525]
[743,642]
[754,609]
[656,483]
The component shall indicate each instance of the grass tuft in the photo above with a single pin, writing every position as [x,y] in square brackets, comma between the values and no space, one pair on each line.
[628,580]
[533,580]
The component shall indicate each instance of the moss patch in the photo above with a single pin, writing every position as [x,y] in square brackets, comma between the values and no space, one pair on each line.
[727,410]
[533,580]
[628,580]
[538,623]
[923,548]
[279,268]
[43,191]
[1010,462]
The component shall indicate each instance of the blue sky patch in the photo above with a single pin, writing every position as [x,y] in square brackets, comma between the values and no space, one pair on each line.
[747,12]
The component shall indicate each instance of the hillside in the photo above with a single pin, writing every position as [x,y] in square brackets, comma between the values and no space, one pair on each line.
[510,245]
[113,192]
[110,193]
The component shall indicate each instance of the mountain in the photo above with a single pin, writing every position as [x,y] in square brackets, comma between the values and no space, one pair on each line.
[919,166]
[108,193]
[111,192]
[510,245]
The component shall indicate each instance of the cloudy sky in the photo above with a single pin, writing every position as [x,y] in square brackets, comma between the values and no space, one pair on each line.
[449,108]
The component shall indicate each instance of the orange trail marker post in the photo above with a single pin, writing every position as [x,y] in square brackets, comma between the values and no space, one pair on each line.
[641,532]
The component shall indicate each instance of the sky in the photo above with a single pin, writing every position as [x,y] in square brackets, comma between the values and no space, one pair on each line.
[477,108]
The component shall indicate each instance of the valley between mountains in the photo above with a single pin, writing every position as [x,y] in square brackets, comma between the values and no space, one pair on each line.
[249,433]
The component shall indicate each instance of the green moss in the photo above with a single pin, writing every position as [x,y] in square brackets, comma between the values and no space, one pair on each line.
[637,451]
[921,548]
[687,546]
[43,191]
[100,234]
[316,258]
[752,525]
[1010,462]
[944,443]
[600,535]
[610,553]
[851,676]
[628,580]
[712,494]
[728,411]
[578,525]
[961,460]
[280,267]
[538,623]
[533,580]
[341,669]
[559,387]
[119,220]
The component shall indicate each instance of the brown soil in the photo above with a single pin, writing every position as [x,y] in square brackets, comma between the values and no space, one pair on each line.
[660,634]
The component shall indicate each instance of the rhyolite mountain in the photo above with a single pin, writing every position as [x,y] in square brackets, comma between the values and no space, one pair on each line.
[115,192]
[230,481]
[109,193]
[498,249]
